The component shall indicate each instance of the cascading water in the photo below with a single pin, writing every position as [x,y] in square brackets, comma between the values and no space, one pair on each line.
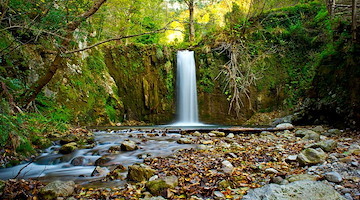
[187,106]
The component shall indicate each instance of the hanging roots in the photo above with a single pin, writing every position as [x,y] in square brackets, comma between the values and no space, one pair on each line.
[238,74]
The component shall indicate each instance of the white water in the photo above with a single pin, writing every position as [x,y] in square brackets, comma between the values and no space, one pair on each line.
[187,106]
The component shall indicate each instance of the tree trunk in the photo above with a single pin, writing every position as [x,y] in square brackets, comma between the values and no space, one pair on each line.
[28,96]
[354,24]
[191,21]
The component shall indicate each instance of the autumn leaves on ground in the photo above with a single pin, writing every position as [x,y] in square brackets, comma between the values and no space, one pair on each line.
[222,166]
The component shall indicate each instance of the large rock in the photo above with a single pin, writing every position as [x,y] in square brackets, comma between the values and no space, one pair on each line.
[139,173]
[307,134]
[129,146]
[327,145]
[57,189]
[158,186]
[311,156]
[309,190]
[68,148]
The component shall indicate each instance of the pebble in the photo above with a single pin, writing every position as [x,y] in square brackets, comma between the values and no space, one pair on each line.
[334,177]
[219,194]
[271,171]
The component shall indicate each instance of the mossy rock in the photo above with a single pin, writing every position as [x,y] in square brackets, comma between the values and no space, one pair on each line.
[140,173]
[68,148]
[157,187]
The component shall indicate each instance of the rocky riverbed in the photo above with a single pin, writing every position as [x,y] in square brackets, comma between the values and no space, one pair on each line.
[304,163]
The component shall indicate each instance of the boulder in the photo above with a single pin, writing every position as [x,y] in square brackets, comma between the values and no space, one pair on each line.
[157,187]
[311,156]
[327,145]
[105,160]
[334,177]
[57,189]
[68,148]
[285,126]
[129,146]
[294,191]
[139,173]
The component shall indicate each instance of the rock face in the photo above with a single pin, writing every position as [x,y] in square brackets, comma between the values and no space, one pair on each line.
[310,190]
[158,186]
[57,189]
[311,156]
[129,146]
[139,173]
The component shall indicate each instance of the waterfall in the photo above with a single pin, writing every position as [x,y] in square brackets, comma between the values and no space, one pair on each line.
[187,106]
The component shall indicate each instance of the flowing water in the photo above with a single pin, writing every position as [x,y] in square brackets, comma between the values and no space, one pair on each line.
[187,106]
[51,165]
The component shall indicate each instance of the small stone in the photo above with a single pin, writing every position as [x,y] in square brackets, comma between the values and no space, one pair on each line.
[285,126]
[291,158]
[348,196]
[334,177]
[129,146]
[355,164]
[185,141]
[311,135]
[224,184]
[230,135]
[277,180]
[207,142]
[227,167]
[218,133]
[196,133]
[219,194]
[114,149]
[202,147]
[271,171]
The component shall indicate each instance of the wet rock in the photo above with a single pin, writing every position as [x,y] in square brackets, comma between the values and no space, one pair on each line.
[334,177]
[78,161]
[227,167]
[129,146]
[57,189]
[159,186]
[218,133]
[68,148]
[185,141]
[113,149]
[327,145]
[271,171]
[311,156]
[285,126]
[104,160]
[196,133]
[139,173]
[301,177]
[99,171]
[294,191]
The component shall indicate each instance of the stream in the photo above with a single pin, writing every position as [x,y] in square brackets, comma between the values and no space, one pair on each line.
[51,165]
